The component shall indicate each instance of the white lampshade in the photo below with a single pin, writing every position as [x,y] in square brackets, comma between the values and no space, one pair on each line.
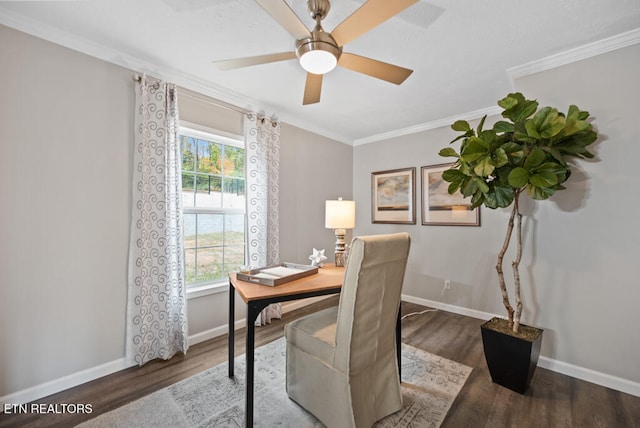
[318,61]
[340,214]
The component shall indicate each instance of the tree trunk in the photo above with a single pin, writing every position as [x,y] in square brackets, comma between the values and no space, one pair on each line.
[516,263]
[505,246]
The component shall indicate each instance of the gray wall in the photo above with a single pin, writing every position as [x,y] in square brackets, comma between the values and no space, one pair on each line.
[66,137]
[581,247]
[65,177]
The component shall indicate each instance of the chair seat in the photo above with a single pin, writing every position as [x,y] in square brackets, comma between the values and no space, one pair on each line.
[315,334]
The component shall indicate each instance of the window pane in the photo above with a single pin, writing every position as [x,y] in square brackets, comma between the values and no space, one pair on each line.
[210,230]
[233,258]
[233,185]
[187,145]
[190,266]
[233,229]
[209,195]
[209,264]
[189,227]
[233,161]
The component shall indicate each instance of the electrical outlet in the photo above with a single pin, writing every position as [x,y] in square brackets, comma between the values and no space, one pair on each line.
[447,284]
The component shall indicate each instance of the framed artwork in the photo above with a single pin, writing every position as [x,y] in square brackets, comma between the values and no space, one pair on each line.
[393,196]
[439,208]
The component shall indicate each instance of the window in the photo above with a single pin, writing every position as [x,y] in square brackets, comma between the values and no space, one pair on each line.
[213,198]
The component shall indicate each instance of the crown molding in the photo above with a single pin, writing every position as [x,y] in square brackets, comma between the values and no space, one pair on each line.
[472,115]
[582,52]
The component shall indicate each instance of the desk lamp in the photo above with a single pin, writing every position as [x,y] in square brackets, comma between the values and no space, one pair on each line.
[340,215]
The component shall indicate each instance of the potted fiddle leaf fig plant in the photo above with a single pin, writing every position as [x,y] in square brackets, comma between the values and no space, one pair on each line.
[525,154]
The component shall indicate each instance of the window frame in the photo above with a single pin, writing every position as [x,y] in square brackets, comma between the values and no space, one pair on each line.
[193,130]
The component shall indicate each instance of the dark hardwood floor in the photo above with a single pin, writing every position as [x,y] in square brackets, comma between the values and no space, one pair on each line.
[553,400]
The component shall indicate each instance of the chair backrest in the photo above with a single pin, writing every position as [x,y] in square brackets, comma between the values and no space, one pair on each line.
[370,299]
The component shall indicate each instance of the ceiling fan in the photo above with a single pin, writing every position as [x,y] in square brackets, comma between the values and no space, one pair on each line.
[319,52]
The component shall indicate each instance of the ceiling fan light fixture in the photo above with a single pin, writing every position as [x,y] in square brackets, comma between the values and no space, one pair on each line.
[319,53]
[318,61]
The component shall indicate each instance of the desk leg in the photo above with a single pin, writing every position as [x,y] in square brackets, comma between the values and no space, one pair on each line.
[399,344]
[232,332]
[253,309]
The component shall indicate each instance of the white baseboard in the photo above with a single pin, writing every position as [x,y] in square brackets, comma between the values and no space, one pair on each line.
[602,379]
[57,385]
[449,308]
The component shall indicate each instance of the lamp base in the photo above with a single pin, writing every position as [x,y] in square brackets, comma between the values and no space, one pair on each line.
[340,247]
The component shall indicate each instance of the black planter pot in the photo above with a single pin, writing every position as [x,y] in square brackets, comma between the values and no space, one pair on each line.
[511,360]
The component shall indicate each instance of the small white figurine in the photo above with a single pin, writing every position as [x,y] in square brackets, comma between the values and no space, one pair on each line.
[317,257]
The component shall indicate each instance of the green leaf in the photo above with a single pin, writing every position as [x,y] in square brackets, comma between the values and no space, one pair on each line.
[453,187]
[543,179]
[510,101]
[500,195]
[514,152]
[555,153]
[502,126]
[474,149]
[535,158]
[469,187]
[481,124]
[545,124]
[484,167]
[516,107]
[459,137]
[477,199]
[518,177]
[453,176]
[573,122]
[461,125]
[482,186]
[500,157]
[448,152]
[539,192]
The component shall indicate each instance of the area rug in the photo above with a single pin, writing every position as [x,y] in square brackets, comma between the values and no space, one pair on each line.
[211,399]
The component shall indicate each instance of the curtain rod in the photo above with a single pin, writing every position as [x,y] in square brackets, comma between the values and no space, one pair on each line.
[201,97]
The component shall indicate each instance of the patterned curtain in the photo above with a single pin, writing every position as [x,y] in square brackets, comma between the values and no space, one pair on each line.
[262,154]
[156,305]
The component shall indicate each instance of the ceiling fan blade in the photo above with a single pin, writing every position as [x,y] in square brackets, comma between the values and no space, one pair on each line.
[286,17]
[368,16]
[374,68]
[230,64]
[312,89]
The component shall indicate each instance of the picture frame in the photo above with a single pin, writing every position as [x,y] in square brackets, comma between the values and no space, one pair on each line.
[393,196]
[439,208]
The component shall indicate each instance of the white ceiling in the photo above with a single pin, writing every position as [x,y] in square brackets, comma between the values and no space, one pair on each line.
[460,52]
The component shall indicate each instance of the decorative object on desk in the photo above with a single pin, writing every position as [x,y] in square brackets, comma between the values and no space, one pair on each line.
[317,257]
[527,153]
[439,208]
[210,398]
[393,196]
[340,215]
[277,274]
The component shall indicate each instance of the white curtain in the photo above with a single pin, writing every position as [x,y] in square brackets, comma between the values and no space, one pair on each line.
[262,154]
[156,305]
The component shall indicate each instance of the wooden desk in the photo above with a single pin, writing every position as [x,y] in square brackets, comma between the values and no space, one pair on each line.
[328,280]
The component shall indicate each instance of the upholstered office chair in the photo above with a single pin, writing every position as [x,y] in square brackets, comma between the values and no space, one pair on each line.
[341,362]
